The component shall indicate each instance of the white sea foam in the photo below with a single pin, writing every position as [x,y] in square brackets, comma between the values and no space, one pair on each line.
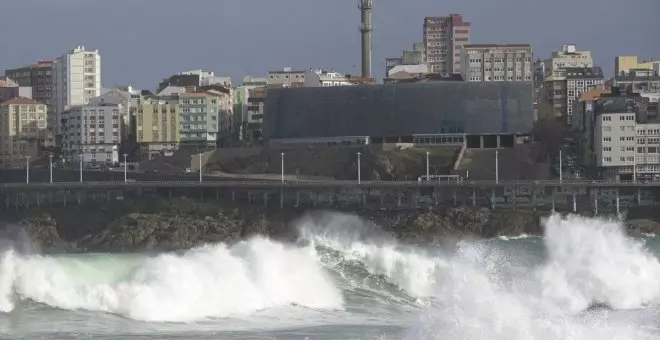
[212,281]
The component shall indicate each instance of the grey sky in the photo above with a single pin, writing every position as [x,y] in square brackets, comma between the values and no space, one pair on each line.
[142,41]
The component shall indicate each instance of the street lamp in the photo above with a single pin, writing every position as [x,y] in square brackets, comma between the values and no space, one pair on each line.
[200,168]
[427,166]
[81,167]
[282,154]
[27,169]
[50,167]
[497,166]
[125,169]
[358,168]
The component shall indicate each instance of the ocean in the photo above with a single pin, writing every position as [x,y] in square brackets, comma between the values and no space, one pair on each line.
[344,279]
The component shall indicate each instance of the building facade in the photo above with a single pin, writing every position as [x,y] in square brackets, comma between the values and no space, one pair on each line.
[76,78]
[318,78]
[638,80]
[23,131]
[286,78]
[624,64]
[492,62]
[202,119]
[157,124]
[443,38]
[38,77]
[255,114]
[10,89]
[92,133]
[415,56]
[626,139]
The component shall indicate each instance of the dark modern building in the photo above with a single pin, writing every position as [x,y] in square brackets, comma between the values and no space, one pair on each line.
[37,76]
[425,113]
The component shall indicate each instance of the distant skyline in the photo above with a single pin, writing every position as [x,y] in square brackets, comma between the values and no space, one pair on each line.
[143,41]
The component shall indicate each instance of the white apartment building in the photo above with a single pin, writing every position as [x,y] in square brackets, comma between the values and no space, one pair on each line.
[324,78]
[625,148]
[443,38]
[493,62]
[76,78]
[567,56]
[92,132]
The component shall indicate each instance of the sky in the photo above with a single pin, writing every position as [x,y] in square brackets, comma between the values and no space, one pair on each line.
[143,41]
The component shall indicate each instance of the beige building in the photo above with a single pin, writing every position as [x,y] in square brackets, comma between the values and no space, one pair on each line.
[23,131]
[157,126]
[493,62]
[623,65]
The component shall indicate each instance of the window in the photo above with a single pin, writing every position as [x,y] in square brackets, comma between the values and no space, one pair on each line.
[607,149]
[607,139]
[607,159]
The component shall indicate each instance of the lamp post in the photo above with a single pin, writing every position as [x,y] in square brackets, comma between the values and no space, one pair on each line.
[125,169]
[282,154]
[200,168]
[359,176]
[497,166]
[27,169]
[50,166]
[81,168]
[427,166]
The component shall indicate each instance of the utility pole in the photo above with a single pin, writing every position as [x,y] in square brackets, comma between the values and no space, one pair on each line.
[561,170]
[200,168]
[81,168]
[428,178]
[282,154]
[27,169]
[358,168]
[125,169]
[50,162]
[497,166]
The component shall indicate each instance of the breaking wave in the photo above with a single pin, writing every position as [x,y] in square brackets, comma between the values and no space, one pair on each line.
[514,288]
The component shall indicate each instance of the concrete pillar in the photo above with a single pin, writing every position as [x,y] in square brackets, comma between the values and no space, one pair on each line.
[265,199]
[534,199]
[249,197]
[554,193]
[499,142]
[416,199]
[481,142]
[514,197]
[79,197]
[297,198]
[65,196]
[169,193]
[7,201]
[618,205]
[596,202]
[382,198]
[455,199]
[474,197]
[574,203]
[281,197]
[436,197]
[398,199]
[233,195]
[492,198]
[639,196]
[364,199]
[217,194]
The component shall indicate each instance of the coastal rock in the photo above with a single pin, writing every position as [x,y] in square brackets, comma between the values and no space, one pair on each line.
[42,232]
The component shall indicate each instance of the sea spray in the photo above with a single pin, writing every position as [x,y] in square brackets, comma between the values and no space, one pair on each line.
[207,282]
[593,260]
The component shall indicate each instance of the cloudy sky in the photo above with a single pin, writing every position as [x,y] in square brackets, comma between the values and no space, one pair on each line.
[142,41]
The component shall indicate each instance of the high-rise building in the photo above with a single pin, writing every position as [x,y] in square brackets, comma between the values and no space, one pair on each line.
[492,62]
[624,64]
[76,78]
[91,132]
[37,76]
[22,130]
[443,38]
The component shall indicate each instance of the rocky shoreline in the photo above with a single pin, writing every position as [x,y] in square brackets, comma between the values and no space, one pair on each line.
[184,223]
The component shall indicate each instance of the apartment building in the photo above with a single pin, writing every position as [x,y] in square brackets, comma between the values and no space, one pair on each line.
[193,79]
[157,124]
[76,78]
[626,137]
[203,119]
[443,38]
[255,114]
[91,133]
[286,78]
[38,77]
[638,80]
[566,85]
[23,131]
[495,62]
[625,64]
[10,89]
